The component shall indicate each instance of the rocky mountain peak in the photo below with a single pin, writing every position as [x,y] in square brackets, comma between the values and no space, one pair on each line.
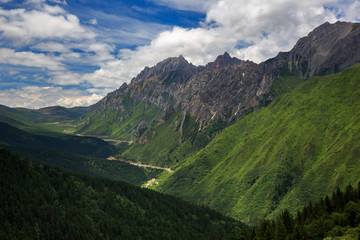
[327,49]
[223,61]
[229,87]
[168,65]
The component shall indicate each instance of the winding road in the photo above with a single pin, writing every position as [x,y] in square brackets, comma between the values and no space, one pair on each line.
[139,164]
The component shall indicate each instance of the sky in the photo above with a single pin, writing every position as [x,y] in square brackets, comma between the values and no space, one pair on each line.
[73,52]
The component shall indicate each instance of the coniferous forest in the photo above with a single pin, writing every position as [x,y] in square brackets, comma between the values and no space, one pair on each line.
[329,218]
[41,202]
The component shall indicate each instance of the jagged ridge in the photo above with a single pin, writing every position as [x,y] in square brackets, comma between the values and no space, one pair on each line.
[229,87]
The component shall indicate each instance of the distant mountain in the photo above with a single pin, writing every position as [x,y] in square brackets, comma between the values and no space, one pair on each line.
[85,155]
[63,113]
[89,146]
[48,114]
[226,88]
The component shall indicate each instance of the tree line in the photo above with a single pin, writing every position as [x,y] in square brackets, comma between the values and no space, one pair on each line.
[332,216]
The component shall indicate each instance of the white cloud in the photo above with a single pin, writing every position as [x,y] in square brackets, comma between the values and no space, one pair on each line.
[93,21]
[29,59]
[349,12]
[269,26]
[72,101]
[261,27]
[50,22]
[37,97]
[51,47]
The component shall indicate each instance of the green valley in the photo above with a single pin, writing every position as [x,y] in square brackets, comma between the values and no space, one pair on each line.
[78,154]
[48,203]
[298,149]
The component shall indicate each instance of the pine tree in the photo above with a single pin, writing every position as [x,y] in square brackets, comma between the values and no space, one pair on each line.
[288,221]
[297,235]
[280,230]
[349,194]
[328,205]
[266,231]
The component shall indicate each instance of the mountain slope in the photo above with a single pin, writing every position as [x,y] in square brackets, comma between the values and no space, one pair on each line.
[42,120]
[123,113]
[211,97]
[74,144]
[40,202]
[299,148]
[226,88]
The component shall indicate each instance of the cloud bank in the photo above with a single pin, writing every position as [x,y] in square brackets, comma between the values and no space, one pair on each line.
[85,58]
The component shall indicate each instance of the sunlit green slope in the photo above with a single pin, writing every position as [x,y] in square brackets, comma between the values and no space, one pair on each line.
[118,125]
[299,148]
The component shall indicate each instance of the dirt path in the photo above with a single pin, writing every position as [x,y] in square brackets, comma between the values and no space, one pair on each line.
[151,182]
[139,164]
[106,138]
[117,141]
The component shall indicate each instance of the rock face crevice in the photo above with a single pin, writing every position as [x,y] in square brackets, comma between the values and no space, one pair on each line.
[229,87]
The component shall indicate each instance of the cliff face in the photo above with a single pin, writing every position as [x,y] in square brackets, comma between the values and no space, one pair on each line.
[158,85]
[328,49]
[228,87]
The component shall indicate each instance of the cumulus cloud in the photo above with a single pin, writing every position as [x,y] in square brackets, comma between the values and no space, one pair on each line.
[266,27]
[35,97]
[29,59]
[254,30]
[348,10]
[23,26]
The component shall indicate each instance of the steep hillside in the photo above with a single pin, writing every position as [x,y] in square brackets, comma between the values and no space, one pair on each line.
[77,154]
[74,144]
[124,113]
[169,143]
[173,109]
[40,202]
[299,148]
[335,217]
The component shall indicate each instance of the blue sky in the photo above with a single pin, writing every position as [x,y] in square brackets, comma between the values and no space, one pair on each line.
[73,52]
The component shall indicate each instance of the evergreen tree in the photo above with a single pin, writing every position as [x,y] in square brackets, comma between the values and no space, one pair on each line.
[328,205]
[297,235]
[266,231]
[280,230]
[349,194]
[288,221]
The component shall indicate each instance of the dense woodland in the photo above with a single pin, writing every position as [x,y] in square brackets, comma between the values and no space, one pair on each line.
[77,154]
[41,202]
[331,217]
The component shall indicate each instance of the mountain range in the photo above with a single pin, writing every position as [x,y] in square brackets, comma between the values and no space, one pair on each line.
[173,112]
[245,139]
[227,87]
